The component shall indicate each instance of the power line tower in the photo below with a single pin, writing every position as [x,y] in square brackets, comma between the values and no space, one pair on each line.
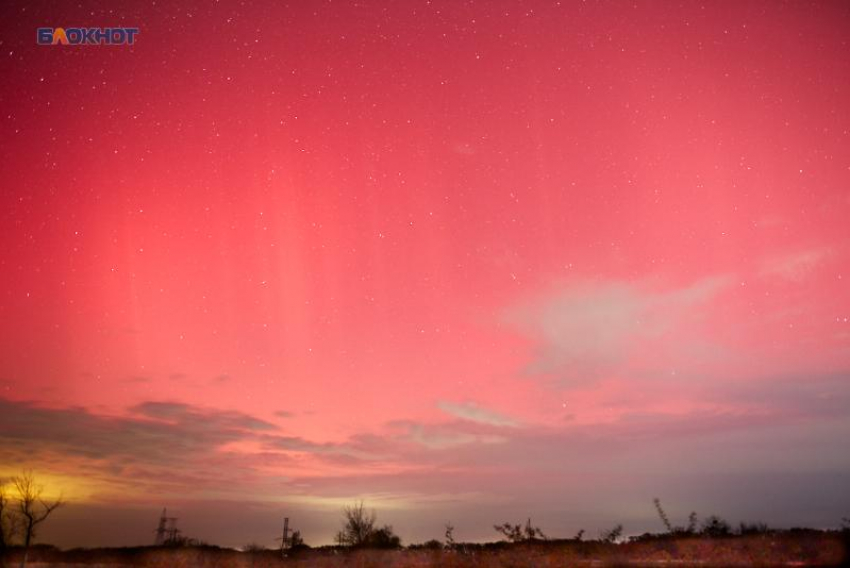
[173,531]
[167,531]
[161,529]
[285,540]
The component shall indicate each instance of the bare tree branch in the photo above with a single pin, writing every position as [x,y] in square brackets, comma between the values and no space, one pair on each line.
[32,509]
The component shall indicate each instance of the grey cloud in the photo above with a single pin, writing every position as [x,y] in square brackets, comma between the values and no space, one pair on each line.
[160,446]
[199,418]
[25,425]
[801,396]
[295,443]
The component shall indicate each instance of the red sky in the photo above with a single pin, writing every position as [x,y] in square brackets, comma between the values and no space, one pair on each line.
[466,261]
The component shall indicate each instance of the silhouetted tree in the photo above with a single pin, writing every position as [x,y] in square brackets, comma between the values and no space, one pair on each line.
[520,533]
[612,535]
[358,527]
[450,536]
[579,534]
[692,523]
[678,529]
[359,530]
[32,510]
[662,514]
[296,541]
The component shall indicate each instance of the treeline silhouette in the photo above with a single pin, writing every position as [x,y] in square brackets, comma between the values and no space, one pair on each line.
[360,530]
[710,540]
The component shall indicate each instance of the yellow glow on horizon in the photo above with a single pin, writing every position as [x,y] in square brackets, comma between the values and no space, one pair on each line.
[389,501]
[54,485]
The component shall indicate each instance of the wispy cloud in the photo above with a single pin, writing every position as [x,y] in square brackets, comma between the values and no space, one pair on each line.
[795,266]
[474,413]
[586,330]
[446,436]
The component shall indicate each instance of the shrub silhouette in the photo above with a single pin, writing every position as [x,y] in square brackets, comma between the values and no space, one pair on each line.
[612,535]
[296,541]
[676,530]
[692,523]
[432,544]
[715,527]
[384,537]
[520,533]
[753,528]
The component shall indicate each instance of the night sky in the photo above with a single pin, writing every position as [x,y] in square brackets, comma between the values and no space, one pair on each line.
[470,262]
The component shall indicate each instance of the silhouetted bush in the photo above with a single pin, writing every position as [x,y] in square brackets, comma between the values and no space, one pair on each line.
[715,527]
[432,544]
[611,535]
[296,542]
[383,537]
[692,523]
[753,528]
[520,533]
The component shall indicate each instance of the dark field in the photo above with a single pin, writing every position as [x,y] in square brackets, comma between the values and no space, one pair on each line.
[805,548]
